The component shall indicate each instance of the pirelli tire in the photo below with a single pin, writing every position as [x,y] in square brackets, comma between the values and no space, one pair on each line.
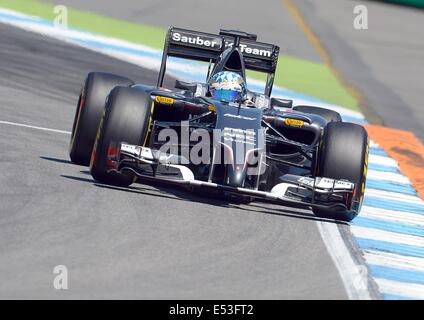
[91,104]
[127,118]
[327,114]
[343,154]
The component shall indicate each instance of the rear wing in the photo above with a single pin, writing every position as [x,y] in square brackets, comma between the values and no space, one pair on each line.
[202,46]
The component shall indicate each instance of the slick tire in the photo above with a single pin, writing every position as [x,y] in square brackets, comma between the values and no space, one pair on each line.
[91,104]
[127,118]
[329,115]
[343,154]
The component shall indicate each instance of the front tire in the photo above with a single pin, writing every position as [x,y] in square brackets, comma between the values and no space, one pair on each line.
[327,114]
[90,108]
[126,118]
[343,154]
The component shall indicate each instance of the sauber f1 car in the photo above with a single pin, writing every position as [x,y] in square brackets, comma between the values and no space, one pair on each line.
[257,147]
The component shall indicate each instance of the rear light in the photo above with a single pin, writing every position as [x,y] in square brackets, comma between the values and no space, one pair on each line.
[112,156]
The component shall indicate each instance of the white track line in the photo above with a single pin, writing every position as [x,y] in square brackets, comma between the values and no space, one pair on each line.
[354,276]
[33,127]
[392,260]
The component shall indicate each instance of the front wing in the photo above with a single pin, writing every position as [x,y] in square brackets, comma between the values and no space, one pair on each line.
[294,191]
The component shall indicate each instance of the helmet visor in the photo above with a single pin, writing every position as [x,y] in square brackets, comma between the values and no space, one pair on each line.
[226,95]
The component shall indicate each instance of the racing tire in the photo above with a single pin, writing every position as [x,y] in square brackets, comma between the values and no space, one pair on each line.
[329,115]
[126,118]
[343,154]
[91,104]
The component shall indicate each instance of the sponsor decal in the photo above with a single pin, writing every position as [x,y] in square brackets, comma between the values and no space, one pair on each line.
[248,48]
[294,122]
[164,100]
[200,90]
[262,101]
[252,49]
[306,181]
[132,149]
[196,40]
[239,136]
[326,183]
[230,115]
[255,51]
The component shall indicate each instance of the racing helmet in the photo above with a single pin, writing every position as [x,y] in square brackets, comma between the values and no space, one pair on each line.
[227,86]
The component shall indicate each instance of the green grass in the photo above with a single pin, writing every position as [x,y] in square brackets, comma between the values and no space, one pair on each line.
[413,3]
[300,75]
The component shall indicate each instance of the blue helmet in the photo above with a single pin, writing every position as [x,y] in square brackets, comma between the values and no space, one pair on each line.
[227,86]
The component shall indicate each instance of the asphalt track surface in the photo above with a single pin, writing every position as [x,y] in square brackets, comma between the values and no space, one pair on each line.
[385,63]
[147,241]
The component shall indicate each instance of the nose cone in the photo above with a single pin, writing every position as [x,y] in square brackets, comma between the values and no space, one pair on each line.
[236,175]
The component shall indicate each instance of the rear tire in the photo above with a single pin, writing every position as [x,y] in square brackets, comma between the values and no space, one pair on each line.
[126,118]
[90,108]
[343,154]
[329,115]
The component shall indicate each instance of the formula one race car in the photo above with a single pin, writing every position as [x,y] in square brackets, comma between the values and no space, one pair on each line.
[219,135]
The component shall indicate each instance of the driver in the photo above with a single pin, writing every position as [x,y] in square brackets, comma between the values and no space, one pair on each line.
[228,86]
